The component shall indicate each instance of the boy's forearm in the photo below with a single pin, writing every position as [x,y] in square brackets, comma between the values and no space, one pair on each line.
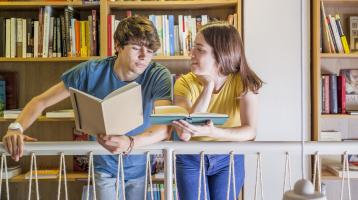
[30,113]
[152,135]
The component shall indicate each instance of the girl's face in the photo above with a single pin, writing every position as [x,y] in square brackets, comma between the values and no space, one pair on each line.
[202,57]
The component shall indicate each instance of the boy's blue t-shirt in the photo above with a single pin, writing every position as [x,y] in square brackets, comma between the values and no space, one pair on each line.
[97,77]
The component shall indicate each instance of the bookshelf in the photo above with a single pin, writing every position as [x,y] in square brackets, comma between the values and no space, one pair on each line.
[35,75]
[330,63]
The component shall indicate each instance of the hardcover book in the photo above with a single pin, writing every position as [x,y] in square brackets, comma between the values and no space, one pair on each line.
[118,113]
[351,77]
[168,114]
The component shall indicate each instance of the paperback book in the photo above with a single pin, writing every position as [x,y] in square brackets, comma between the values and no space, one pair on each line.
[118,113]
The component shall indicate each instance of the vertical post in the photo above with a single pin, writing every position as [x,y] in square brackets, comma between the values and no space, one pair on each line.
[168,170]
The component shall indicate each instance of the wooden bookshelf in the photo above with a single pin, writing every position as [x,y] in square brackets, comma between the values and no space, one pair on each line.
[329,63]
[35,75]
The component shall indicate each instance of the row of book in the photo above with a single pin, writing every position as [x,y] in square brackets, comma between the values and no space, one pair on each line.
[176,39]
[49,36]
[158,192]
[333,38]
[340,92]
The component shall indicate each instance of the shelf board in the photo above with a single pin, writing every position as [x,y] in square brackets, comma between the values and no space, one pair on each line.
[37,4]
[171,5]
[169,58]
[339,55]
[61,59]
[340,3]
[43,119]
[73,176]
[341,116]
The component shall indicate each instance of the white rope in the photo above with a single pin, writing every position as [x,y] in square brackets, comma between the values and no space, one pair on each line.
[4,165]
[259,177]
[91,173]
[33,164]
[62,168]
[231,176]
[287,171]
[344,171]
[317,172]
[148,172]
[175,174]
[120,173]
[202,174]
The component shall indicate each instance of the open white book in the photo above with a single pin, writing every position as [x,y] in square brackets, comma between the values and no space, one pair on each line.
[168,114]
[118,113]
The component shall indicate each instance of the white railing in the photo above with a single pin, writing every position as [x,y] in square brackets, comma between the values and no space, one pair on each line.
[167,148]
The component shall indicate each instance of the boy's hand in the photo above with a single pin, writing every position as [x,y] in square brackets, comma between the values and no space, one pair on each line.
[114,143]
[13,142]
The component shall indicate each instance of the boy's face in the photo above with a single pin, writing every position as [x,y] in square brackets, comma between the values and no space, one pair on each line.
[135,58]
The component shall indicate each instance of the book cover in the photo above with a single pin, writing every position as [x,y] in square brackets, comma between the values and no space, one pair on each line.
[119,112]
[168,114]
[351,76]
[353,30]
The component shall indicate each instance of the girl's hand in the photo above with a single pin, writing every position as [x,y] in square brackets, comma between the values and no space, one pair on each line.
[195,130]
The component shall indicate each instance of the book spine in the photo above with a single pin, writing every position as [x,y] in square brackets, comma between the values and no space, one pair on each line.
[29,38]
[2,37]
[333,94]
[341,94]
[24,42]
[109,35]
[13,33]
[36,39]
[94,32]
[8,38]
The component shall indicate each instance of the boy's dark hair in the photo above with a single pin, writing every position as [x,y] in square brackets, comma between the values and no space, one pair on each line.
[137,30]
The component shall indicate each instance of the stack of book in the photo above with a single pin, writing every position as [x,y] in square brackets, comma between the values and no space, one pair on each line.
[12,171]
[11,114]
[68,113]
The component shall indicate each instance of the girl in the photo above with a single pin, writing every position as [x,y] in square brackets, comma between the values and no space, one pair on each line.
[220,81]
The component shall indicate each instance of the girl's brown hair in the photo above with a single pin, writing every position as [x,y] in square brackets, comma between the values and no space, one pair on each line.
[229,53]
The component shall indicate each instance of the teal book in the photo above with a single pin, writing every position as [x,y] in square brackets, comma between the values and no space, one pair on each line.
[168,114]
[2,96]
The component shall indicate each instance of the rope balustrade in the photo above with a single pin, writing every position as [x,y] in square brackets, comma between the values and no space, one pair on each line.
[170,150]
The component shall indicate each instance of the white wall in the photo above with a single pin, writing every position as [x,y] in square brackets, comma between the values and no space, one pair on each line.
[272,36]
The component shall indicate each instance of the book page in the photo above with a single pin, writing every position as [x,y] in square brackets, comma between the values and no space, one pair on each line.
[170,111]
[208,115]
[121,90]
